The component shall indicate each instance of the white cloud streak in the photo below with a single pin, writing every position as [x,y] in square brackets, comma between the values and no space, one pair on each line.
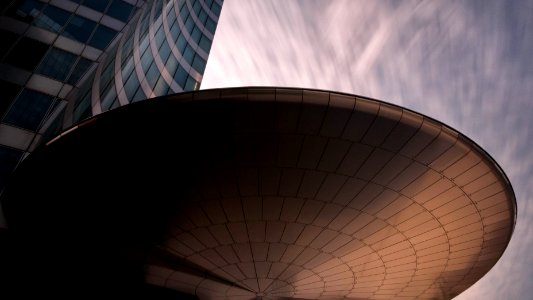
[466,63]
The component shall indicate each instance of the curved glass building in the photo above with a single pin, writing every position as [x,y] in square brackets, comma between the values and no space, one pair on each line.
[164,50]
[47,48]
[63,61]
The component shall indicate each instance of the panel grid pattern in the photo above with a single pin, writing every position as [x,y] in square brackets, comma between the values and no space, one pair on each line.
[338,196]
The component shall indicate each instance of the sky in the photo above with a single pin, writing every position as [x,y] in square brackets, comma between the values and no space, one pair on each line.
[465,63]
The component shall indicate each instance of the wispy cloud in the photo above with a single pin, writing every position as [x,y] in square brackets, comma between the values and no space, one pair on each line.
[466,63]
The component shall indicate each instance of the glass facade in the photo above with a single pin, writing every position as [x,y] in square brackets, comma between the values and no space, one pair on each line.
[163,51]
[47,48]
[29,109]
[64,61]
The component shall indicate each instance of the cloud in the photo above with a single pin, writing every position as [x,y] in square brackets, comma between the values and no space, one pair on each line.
[467,64]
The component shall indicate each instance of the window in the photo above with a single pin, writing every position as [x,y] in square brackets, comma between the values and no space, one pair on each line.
[127,48]
[29,109]
[139,95]
[197,7]
[205,44]
[181,77]
[158,9]
[191,84]
[26,54]
[184,13]
[210,25]
[119,10]
[144,27]
[189,24]
[145,13]
[161,87]
[52,18]
[85,89]
[106,77]
[215,8]
[55,126]
[203,17]
[108,97]
[102,37]
[57,64]
[146,59]
[159,37]
[152,75]
[181,4]
[82,106]
[79,29]
[198,64]
[196,35]
[131,86]
[109,59]
[164,51]
[171,64]
[115,104]
[97,5]
[83,110]
[175,30]
[171,16]
[81,67]
[127,69]
[144,45]
[26,11]
[188,54]
[157,23]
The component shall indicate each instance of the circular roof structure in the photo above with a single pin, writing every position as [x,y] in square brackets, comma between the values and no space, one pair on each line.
[270,193]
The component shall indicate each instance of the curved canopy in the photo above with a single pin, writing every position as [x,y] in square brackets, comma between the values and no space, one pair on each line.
[270,192]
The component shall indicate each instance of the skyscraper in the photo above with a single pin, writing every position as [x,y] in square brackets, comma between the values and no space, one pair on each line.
[79,58]
[47,47]
[163,51]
